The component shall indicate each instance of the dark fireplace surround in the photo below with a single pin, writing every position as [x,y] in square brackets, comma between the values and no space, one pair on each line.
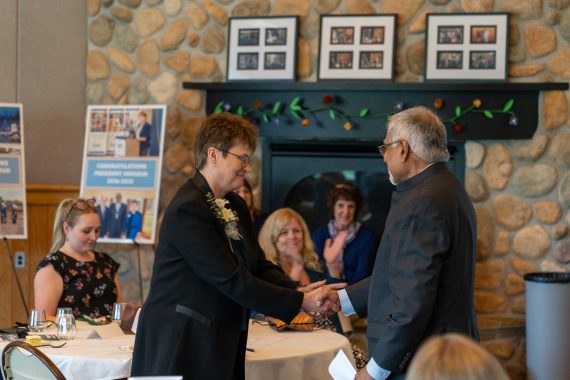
[300,163]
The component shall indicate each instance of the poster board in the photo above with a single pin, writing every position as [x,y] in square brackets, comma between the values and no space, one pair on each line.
[13,215]
[121,169]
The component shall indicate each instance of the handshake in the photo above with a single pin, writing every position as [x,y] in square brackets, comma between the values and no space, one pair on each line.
[321,300]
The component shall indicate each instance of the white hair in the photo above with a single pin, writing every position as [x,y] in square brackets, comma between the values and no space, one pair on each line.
[423,130]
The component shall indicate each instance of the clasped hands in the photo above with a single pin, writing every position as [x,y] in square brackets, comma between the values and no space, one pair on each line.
[321,300]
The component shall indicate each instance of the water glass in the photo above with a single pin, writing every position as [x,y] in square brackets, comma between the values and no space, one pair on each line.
[63,311]
[38,321]
[118,309]
[66,327]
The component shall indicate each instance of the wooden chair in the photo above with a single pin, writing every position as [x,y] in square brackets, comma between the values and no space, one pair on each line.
[22,361]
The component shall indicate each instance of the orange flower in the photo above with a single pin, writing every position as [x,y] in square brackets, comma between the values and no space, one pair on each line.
[347,126]
[305,122]
[438,103]
[257,104]
[477,103]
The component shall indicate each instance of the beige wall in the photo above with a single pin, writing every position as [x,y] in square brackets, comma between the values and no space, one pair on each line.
[42,65]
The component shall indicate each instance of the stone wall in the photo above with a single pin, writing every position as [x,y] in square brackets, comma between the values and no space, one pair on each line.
[142,51]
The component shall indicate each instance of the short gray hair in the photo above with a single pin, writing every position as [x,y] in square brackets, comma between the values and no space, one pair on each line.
[423,130]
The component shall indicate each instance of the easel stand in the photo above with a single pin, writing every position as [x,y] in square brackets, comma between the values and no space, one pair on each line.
[13,265]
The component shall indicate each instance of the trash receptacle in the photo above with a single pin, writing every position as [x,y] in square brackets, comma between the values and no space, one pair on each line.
[548,326]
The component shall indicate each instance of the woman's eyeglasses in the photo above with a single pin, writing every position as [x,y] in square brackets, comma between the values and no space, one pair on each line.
[81,204]
[245,159]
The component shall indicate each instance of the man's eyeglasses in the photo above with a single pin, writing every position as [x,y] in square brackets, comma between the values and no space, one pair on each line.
[245,159]
[81,204]
[382,148]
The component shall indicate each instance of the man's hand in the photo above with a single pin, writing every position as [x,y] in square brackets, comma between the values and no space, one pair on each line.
[363,375]
[322,301]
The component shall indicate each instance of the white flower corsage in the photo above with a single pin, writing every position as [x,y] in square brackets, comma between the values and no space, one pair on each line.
[225,215]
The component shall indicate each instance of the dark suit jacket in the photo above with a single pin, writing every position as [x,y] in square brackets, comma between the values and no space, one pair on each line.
[200,292]
[103,214]
[422,282]
[116,220]
[144,145]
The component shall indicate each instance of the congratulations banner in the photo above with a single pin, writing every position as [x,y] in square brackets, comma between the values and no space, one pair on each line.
[122,167]
[12,173]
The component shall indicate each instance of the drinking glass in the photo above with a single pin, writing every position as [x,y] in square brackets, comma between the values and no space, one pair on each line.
[117,314]
[66,327]
[38,321]
[63,311]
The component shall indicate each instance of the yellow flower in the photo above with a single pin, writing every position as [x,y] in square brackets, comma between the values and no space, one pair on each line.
[347,126]
[477,103]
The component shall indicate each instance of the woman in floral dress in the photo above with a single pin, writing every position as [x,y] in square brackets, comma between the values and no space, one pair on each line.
[73,274]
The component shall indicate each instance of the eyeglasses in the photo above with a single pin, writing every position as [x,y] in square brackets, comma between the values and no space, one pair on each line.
[81,204]
[382,148]
[245,159]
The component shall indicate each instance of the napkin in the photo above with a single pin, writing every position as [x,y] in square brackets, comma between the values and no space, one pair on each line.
[341,368]
[105,332]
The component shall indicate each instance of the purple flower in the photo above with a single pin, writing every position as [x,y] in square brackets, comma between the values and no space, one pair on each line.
[227,106]
[399,106]
[513,121]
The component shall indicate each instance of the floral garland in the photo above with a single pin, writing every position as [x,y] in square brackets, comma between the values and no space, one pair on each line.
[295,110]
[225,215]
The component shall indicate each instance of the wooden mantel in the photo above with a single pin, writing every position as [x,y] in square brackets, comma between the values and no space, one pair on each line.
[380,99]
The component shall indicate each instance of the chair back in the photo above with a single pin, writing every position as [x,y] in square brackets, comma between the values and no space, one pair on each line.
[22,361]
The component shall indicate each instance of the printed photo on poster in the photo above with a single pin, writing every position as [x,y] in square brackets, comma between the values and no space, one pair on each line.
[12,173]
[124,177]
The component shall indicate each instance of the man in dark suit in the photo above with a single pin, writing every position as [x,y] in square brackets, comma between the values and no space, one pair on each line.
[116,218]
[422,282]
[103,211]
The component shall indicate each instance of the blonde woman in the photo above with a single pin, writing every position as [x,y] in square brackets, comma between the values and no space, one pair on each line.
[74,274]
[454,357]
[286,241]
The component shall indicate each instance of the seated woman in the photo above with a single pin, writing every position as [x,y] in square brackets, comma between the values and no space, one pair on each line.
[454,356]
[73,274]
[347,247]
[257,216]
[285,240]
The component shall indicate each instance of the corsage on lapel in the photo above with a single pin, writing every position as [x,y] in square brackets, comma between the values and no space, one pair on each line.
[225,215]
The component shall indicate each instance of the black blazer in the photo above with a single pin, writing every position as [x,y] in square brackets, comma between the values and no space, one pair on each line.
[422,282]
[201,291]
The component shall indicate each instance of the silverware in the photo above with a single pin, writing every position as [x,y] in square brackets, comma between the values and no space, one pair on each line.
[52,345]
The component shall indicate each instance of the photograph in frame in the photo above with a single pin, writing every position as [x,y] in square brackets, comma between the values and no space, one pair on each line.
[468,46]
[450,34]
[262,48]
[248,37]
[372,35]
[357,47]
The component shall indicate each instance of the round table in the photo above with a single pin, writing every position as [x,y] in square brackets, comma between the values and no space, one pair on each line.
[288,355]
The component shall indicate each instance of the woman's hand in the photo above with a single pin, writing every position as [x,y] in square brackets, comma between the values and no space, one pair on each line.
[333,248]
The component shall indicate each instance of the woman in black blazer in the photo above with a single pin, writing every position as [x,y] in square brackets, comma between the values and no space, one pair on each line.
[209,270]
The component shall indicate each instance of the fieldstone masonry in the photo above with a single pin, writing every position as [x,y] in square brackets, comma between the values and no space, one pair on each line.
[140,51]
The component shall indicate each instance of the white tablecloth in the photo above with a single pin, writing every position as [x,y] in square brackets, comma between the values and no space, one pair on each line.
[286,355]
[292,354]
[91,359]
